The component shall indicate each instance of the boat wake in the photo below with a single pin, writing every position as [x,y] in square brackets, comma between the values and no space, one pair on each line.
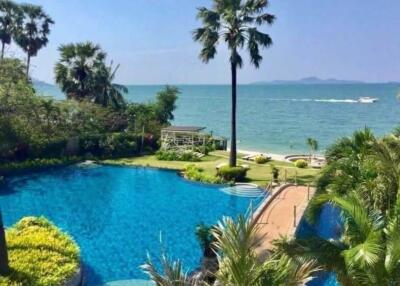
[328,100]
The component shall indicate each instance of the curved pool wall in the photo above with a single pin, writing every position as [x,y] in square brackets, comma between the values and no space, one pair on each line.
[328,226]
[118,214]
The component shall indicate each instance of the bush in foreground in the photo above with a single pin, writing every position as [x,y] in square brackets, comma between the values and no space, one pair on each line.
[188,156]
[232,174]
[194,173]
[301,163]
[39,254]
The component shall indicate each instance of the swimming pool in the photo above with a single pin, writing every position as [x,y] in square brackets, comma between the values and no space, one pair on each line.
[118,214]
[329,226]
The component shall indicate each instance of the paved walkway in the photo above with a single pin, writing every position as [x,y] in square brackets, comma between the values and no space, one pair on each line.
[277,218]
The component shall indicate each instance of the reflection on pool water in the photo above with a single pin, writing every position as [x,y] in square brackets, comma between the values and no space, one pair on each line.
[118,214]
[329,226]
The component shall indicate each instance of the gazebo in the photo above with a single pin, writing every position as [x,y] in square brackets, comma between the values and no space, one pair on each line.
[183,137]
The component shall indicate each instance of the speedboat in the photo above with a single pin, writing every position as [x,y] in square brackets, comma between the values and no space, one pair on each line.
[367,99]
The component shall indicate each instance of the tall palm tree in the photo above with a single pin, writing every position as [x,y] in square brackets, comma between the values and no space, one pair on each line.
[76,70]
[32,35]
[234,22]
[10,18]
[367,253]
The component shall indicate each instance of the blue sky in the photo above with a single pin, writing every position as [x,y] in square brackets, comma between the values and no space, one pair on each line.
[151,39]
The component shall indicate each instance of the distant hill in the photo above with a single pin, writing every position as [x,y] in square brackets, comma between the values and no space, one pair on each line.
[311,80]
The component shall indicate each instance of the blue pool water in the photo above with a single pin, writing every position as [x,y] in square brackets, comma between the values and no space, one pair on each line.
[329,226]
[117,214]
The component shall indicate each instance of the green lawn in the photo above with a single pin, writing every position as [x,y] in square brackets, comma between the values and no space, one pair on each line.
[259,174]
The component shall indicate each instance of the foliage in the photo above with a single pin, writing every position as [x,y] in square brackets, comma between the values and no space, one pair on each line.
[313,144]
[166,155]
[368,251]
[28,165]
[33,31]
[83,75]
[235,174]
[235,242]
[33,126]
[261,159]
[275,173]
[40,254]
[194,173]
[165,104]
[10,18]
[301,163]
[235,23]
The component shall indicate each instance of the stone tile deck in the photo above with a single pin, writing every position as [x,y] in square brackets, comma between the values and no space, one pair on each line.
[276,218]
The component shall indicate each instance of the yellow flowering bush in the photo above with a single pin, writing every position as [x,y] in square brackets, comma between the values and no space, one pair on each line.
[39,254]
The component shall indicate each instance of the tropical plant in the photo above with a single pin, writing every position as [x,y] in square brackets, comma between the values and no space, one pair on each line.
[368,251]
[10,18]
[275,173]
[313,144]
[234,22]
[366,165]
[173,272]
[235,242]
[107,92]
[77,68]
[33,31]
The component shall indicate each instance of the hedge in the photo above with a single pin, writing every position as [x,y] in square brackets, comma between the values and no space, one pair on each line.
[40,254]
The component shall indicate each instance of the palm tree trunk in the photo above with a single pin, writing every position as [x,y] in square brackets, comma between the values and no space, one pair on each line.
[28,62]
[4,269]
[2,50]
[232,156]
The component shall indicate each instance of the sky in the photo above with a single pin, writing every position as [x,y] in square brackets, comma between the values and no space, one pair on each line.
[151,40]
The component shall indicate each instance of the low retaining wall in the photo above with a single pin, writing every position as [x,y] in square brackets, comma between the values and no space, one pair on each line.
[77,279]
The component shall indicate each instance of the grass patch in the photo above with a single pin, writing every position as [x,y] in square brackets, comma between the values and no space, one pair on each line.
[260,174]
[39,254]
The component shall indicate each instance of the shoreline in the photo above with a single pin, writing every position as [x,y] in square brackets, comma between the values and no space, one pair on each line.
[274,156]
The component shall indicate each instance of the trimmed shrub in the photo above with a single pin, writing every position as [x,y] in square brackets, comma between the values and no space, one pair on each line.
[194,173]
[35,164]
[275,173]
[188,156]
[261,159]
[235,174]
[301,163]
[39,254]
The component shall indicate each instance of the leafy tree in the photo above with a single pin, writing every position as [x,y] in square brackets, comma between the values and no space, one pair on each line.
[234,22]
[165,104]
[10,18]
[33,32]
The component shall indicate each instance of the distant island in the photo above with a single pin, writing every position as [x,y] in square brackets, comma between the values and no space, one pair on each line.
[314,80]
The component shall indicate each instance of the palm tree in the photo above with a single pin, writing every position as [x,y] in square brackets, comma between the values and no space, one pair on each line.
[32,35]
[234,22]
[10,18]
[367,253]
[76,70]
[239,265]
[108,93]
[313,144]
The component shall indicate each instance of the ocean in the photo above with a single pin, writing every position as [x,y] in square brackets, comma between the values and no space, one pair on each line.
[278,118]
